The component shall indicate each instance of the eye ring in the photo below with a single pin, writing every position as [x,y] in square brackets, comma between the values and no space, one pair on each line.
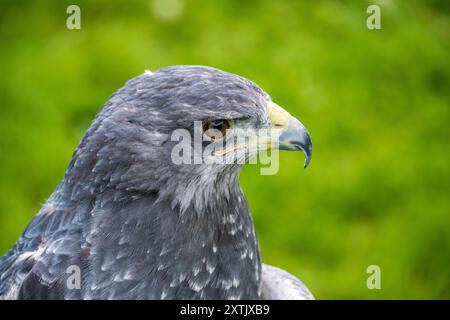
[216,129]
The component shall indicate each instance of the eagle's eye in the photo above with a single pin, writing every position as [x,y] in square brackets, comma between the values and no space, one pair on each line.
[216,129]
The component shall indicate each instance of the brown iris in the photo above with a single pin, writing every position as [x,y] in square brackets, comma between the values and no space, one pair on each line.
[216,129]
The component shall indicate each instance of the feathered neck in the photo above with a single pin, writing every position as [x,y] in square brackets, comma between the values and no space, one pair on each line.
[151,243]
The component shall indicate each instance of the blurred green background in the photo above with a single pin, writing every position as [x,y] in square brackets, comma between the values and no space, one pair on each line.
[375,101]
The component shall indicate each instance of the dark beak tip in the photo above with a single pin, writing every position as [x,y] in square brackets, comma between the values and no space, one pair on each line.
[308,159]
[306,148]
[308,154]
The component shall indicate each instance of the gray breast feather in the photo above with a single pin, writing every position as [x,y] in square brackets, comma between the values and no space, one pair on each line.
[278,284]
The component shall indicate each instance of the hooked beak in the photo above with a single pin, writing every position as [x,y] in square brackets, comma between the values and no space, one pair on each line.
[293,134]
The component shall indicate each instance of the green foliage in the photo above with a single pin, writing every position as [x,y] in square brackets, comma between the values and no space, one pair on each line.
[375,101]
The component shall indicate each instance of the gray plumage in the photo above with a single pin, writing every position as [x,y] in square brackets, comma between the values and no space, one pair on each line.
[277,284]
[137,225]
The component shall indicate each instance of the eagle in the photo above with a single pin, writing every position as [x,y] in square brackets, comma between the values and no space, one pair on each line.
[132,223]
